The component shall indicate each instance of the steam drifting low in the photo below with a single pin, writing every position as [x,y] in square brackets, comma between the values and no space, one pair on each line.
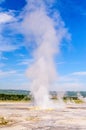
[44,30]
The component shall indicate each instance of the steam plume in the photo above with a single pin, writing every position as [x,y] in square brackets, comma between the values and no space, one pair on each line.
[45,32]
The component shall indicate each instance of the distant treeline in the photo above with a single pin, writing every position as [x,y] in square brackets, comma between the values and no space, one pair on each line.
[19,92]
[25,92]
[70,94]
[19,95]
[14,97]
[22,97]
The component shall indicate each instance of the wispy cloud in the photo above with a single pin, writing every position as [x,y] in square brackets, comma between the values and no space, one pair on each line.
[7,44]
[76,86]
[25,62]
[2,57]
[73,77]
[11,74]
[60,62]
[1,60]
[72,81]
[81,73]
[6,47]
[21,55]
[1,1]
[76,7]
[7,73]
[9,40]
[2,65]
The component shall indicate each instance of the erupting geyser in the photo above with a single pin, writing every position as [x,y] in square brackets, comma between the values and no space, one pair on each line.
[44,30]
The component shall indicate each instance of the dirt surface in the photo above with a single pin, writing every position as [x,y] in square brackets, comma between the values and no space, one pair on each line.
[22,116]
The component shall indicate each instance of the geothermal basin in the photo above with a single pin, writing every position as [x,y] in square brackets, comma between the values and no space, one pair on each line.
[24,116]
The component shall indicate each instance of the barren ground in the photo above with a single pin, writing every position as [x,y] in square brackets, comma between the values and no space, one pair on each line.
[21,116]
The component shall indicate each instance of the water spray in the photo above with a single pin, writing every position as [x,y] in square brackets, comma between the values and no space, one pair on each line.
[45,32]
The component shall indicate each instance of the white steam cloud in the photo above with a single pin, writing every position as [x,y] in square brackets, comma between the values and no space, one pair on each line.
[45,32]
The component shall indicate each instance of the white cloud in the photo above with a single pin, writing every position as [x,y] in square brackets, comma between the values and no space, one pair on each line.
[5,17]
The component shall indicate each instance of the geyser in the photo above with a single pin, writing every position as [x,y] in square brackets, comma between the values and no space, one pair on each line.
[44,31]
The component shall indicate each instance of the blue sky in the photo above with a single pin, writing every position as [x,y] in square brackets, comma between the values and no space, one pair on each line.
[15,55]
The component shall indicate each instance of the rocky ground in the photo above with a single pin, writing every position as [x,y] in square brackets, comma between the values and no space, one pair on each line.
[22,116]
